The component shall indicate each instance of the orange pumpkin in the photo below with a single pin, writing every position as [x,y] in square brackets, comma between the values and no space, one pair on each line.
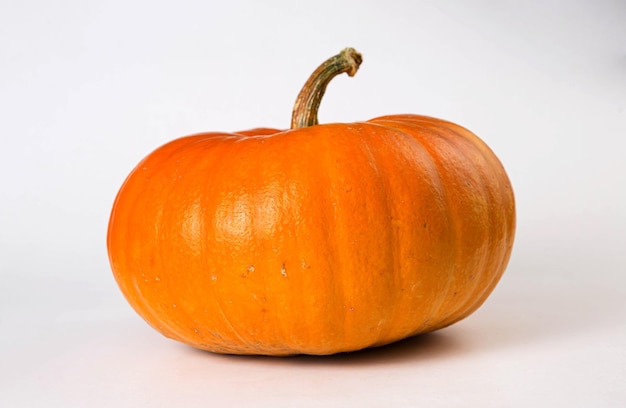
[315,240]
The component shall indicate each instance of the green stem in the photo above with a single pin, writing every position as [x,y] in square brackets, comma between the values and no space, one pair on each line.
[308,102]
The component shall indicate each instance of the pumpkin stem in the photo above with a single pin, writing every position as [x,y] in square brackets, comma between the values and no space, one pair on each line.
[308,102]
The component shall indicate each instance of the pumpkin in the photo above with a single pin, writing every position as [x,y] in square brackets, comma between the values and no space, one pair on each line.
[314,240]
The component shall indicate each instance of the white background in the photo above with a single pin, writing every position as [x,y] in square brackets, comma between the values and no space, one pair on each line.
[88,88]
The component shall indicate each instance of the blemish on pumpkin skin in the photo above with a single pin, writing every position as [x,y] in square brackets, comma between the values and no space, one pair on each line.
[283,270]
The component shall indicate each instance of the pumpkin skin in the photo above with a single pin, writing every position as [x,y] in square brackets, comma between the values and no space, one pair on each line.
[318,240]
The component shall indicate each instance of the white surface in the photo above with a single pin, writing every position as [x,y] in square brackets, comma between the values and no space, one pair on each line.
[87,88]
